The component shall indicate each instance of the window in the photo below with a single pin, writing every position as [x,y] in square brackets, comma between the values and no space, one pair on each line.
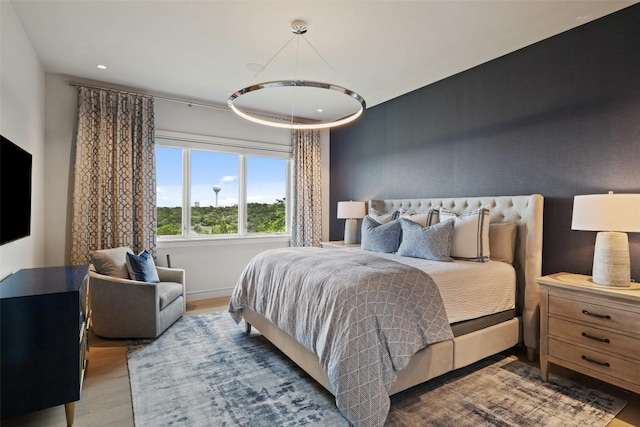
[169,191]
[266,193]
[215,190]
[214,193]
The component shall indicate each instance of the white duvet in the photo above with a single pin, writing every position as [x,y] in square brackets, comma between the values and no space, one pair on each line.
[469,289]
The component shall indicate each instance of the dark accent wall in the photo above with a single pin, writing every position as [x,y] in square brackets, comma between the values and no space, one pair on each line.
[560,117]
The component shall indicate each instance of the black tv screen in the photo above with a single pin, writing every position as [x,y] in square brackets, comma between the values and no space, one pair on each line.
[15,192]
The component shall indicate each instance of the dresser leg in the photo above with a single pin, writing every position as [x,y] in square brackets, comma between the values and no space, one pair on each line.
[70,411]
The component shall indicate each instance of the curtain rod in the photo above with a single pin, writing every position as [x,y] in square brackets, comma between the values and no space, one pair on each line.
[162,98]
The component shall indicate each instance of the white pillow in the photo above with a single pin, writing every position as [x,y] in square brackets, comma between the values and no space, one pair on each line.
[425,219]
[470,234]
[381,218]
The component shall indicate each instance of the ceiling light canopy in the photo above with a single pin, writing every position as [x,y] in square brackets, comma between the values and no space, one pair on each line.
[268,111]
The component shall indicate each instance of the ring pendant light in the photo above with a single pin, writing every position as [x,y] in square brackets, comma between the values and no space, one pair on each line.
[298,28]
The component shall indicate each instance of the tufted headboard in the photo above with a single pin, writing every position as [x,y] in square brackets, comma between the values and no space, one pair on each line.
[526,211]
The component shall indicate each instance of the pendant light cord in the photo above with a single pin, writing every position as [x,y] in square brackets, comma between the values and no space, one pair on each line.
[272,58]
[295,77]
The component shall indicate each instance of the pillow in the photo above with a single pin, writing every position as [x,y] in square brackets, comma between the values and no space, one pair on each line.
[425,219]
[432,242]
[111,262]
[378,237]
[502,241]
[142,268]
[381,218]
[470,234]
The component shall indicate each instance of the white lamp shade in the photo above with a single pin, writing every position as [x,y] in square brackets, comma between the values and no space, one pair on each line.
[351,210]
[606,212]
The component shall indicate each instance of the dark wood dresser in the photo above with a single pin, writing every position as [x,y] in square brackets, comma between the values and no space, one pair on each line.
[44,318]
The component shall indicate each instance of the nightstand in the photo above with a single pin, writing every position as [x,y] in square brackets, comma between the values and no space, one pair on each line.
[339,244]
[590,328]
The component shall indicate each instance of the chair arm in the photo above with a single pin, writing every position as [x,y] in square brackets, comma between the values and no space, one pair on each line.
[171,274]
[176,275]
[123,307]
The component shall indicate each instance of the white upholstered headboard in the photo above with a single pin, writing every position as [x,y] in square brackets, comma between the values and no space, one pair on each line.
[526,211]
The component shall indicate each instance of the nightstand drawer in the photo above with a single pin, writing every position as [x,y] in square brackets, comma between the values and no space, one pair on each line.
[596,314]
[589,336]
[596,361]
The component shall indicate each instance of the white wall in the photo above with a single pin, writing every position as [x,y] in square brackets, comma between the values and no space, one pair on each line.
[212,267]
[22,118]
[60,122]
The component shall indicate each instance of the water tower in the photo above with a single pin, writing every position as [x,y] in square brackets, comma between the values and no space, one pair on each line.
[216,189]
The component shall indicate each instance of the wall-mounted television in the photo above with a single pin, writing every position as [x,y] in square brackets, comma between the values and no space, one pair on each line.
[15,192]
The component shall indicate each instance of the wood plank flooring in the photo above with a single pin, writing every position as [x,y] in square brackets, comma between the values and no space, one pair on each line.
[106,395]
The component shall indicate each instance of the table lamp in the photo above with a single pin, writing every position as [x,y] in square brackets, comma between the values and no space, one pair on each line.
[612,216]
[351,211]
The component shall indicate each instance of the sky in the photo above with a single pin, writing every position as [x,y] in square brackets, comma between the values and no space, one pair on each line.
[265,178]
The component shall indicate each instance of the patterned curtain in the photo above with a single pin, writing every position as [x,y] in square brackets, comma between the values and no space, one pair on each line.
[306,225]
[114,194]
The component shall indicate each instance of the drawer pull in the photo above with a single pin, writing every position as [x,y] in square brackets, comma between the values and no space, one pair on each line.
[600,316]
[591,337]
[597,362]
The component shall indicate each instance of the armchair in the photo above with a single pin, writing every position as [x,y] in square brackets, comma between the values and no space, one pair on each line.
[124,308]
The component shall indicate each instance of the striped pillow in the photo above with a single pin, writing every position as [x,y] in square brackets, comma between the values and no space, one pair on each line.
[381,218]
[425,219]
[470,240]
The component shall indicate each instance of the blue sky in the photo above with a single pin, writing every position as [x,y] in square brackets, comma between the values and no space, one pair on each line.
[265,178]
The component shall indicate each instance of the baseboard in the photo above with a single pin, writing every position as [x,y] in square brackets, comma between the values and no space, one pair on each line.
[211,293]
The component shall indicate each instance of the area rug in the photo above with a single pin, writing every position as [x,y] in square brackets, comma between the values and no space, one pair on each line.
[205,371]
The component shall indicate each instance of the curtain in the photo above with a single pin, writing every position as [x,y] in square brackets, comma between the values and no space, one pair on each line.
[114,188]
[306,224]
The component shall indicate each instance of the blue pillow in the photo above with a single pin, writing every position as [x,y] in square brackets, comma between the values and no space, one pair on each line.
[433,242]
[142,268]
[378,237]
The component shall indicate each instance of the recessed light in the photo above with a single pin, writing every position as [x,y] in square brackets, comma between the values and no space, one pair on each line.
[319,110]
[102,67]
[582,17]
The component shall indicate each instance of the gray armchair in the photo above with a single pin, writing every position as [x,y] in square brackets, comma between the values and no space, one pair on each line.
[124,308]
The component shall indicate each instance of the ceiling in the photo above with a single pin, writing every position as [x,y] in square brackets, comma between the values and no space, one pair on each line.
[204,51]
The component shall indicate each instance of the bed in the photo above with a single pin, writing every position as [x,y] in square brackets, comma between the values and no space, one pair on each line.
[363,380]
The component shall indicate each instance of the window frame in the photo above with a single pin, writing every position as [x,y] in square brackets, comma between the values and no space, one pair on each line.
[241,147]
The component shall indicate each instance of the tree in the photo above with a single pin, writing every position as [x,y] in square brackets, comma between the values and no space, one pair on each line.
[261,218]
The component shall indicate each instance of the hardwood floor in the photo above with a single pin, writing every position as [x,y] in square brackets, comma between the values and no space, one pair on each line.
[106,396]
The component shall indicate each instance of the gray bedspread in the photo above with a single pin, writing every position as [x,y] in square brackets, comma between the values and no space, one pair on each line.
[363,315]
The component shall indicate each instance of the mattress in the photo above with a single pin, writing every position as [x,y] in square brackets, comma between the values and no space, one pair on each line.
[469,289]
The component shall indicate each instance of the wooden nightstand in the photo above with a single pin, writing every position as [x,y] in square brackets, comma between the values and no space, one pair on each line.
[339,244]
[590,328]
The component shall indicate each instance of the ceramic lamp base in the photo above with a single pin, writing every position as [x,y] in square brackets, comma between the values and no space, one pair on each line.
[611,264]
[350,231]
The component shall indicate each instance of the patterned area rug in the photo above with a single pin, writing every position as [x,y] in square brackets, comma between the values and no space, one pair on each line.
[205,371]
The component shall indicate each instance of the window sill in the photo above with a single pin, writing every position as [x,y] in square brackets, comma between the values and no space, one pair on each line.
[223,240]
